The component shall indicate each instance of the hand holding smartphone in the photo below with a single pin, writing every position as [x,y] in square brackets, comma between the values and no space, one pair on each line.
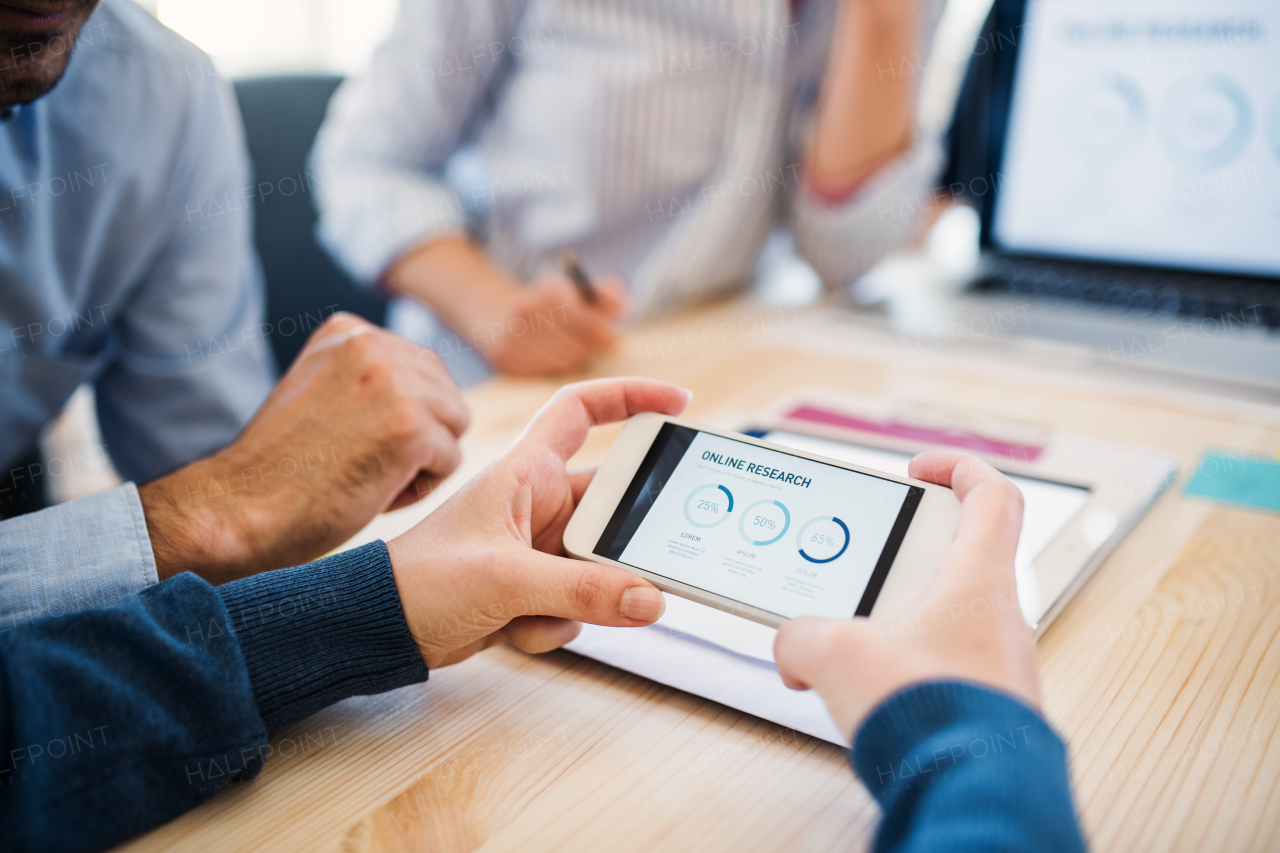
[757,530]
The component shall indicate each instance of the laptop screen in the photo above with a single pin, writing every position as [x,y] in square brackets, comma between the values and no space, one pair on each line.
[1145,131]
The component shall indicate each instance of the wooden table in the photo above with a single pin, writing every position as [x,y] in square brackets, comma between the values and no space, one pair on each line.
[1162,674]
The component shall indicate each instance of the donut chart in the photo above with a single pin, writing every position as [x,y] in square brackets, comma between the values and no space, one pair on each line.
[1205,121]
[1102,118]
[823,539]
[708,505]
[765,522]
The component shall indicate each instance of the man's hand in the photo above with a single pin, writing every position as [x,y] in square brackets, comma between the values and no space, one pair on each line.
[363,422]
[489,564]
[548,329]
[856,664]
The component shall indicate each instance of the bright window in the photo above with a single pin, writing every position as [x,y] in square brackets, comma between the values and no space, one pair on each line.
[248,37]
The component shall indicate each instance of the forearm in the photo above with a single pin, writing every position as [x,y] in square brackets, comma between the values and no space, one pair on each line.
[959,767]
[174,692]
[454,277]
[864,116]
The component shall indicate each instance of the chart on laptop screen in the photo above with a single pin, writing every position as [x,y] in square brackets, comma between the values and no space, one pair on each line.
[1146,131]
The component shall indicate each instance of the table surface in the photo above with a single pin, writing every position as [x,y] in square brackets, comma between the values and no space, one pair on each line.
[1161,674]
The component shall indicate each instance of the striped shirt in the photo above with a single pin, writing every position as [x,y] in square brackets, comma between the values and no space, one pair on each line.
[659,139]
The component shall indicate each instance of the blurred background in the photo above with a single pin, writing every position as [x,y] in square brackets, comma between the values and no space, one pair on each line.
[254,37]
[1093,265]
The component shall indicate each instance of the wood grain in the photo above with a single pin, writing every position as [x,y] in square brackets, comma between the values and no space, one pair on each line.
[1170,707]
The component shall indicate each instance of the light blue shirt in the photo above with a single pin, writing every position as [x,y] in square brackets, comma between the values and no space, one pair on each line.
[90,552]
[660,139]
[126,258]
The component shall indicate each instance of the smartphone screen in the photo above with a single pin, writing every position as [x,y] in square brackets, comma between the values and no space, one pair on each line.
[763,527]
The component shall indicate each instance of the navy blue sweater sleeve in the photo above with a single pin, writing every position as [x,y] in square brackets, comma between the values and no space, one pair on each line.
[115,720]
[959,767]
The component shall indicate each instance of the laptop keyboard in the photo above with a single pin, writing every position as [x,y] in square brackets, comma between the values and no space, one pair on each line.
[1137,292]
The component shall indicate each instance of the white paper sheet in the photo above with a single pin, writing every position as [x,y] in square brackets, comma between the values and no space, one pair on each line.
[715,655]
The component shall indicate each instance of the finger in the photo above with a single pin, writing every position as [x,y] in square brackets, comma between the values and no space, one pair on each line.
[438,389]
[938,467]
[562,423]
[548,348]
[612,297]
[818,653]
[597,323]
[594,329]
[565,349]
[444,401]
[337,323]
[538,634]
[528,360]
[836,658]
[338,329]
[423,484]
[583,591]
[550,536]
[797,648]
[436,450]
[579,479]
[990,517]
[577,320]
[551,302]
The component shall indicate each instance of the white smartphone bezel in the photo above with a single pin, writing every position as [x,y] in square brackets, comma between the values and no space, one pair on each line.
[928,535]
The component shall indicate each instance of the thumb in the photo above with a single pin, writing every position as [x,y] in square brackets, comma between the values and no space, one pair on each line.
[613,297]
[990,520]
[562,424]
[584,591]
[817,653]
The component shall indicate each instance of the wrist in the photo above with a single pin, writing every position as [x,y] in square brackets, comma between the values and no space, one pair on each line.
[189,531]
[407,554]
[314,634]
[453,277]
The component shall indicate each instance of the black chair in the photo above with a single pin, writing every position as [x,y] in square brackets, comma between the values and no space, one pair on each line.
[281,117]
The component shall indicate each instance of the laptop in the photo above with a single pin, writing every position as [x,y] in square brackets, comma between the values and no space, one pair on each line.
[1124,159]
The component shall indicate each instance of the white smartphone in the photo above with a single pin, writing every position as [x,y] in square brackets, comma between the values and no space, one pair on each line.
[759,530]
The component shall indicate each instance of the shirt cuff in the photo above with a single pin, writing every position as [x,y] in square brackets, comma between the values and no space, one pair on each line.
[315,634]
[86,553]
[843,240]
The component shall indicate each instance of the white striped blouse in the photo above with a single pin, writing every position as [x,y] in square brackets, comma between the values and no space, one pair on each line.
[659,139]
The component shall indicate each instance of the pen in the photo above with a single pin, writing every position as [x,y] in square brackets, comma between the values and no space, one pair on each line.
[569,263]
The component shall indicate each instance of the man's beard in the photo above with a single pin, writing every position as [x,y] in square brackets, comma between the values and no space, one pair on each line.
[32,63]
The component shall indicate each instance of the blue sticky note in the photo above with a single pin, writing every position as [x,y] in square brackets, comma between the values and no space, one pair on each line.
[1238,478]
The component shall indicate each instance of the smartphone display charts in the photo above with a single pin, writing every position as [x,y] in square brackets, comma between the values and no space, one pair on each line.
[758,530]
